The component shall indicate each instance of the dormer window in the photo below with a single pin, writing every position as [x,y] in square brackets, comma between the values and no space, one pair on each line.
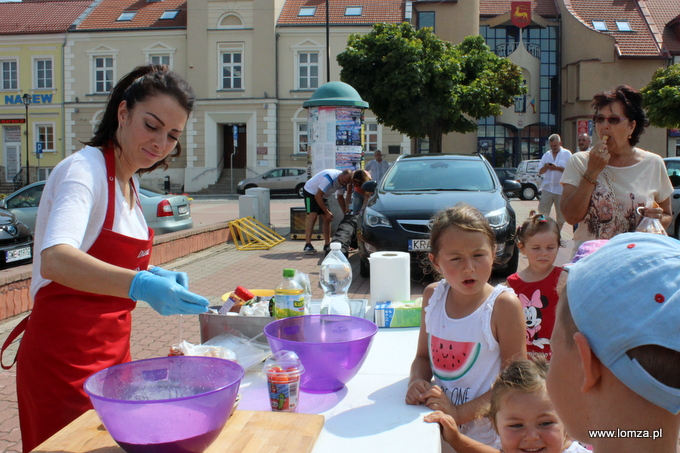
[353,11]
[623,25]
[307,11]
[169,14]
[600,25]
[126,16]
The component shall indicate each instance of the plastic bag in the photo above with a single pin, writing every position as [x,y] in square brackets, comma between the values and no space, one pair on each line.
[650,224]
[248,352]
[205,350]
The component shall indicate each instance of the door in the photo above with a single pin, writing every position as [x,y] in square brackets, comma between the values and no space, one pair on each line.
[240,158]
[12,151]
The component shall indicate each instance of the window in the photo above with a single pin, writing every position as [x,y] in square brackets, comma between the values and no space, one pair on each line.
[308,70]
[623,25]
[372,138]
[126,16]
[353,11]
[600,25]
[45,135]
[307,11]
[302,138]
[8,75]
[232,68]
[393,149]
[521,104]
[103,74]
[169,14]
[425,19]
[43,74]
[160,59]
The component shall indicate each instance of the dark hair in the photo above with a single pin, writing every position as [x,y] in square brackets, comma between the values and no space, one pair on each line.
[463,216]
[140,84]
[632,107]
[361,176]
[536,223]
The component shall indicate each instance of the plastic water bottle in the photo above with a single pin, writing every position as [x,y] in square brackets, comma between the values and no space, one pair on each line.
[335,278]
[289,296]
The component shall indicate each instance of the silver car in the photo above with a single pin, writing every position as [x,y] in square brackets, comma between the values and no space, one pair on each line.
[278,180]
[163,213]
[673,167]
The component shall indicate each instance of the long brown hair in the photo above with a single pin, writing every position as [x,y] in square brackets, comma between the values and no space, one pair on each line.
[140,84]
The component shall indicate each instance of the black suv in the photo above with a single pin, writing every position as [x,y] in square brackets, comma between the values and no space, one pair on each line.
[415,187]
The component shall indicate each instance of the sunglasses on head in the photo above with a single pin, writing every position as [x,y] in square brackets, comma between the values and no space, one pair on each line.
[614,119]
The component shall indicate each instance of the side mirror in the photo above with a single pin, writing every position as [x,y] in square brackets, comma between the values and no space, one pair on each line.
[369,186]
[510,185]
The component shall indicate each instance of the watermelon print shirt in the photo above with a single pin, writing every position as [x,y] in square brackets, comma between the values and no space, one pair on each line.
[464,355]
[539,300]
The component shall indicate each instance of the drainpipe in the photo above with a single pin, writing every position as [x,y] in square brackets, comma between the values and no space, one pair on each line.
[63,100]
[278,105]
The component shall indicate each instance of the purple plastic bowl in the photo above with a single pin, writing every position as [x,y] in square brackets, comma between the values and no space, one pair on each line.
[332,348]
[169,404]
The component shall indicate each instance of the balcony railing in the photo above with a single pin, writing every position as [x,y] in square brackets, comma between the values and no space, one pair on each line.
[505,49]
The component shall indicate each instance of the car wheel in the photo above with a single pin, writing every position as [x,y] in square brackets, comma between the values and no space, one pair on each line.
[249,186]
[300,190]
[364,268]
[527,193]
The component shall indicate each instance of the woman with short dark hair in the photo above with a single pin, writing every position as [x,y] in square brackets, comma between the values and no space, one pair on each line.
[604,187]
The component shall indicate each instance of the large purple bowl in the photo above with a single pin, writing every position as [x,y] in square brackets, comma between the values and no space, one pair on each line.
[332,348]
[169,404]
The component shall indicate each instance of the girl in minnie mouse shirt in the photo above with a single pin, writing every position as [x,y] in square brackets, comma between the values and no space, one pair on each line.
[539,240]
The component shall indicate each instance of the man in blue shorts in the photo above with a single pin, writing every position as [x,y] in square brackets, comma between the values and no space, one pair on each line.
[317,191]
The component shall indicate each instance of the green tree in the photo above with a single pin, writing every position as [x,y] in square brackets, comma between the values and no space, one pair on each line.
[661,97]
[423,86]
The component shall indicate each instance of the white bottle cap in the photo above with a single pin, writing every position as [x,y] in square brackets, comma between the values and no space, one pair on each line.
[336,246]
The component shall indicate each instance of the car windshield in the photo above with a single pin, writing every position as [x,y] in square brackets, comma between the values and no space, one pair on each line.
[438,174]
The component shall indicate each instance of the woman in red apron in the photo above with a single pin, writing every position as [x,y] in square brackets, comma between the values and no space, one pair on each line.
[81,319]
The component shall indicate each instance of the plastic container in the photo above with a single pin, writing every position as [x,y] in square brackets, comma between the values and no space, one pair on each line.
[335,278]
[165,404]
[236,299]
[283,370]
[332,348]
[289,297]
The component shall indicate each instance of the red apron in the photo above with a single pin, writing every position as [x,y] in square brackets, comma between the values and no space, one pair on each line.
[73,334]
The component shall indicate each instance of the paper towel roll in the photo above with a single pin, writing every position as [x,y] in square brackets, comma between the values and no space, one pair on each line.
[390,276]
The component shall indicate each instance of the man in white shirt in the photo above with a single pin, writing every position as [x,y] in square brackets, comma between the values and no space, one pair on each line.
[377,167]
[552,166]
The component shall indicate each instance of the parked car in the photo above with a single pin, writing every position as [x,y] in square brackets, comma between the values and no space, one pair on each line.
[508,174]
[164,213]
[16,241]
[528,177]
[673,167]
[278,180]
[415,187]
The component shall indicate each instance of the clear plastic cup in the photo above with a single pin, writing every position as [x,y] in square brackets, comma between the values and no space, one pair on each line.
[283,370]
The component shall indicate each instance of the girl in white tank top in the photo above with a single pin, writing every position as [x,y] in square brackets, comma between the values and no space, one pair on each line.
[469,329]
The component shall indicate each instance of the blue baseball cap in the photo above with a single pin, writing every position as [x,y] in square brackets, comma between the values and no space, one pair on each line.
[625,295]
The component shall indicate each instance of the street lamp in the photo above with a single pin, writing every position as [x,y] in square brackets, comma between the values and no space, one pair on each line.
[27,101]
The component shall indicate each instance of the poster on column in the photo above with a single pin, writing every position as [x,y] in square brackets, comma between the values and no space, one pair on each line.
[335,137]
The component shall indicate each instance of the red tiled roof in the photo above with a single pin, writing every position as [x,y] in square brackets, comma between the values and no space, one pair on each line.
[373,11]
[663,12]
[46,17]
[638,43]
[104,16]
[544,8]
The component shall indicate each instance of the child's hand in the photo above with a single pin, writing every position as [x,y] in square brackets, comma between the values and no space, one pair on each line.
[447,424]
[436,399]
[415,390]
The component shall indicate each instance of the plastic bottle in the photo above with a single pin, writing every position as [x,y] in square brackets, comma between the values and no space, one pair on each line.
[335,278]
[303,280]
[289,296]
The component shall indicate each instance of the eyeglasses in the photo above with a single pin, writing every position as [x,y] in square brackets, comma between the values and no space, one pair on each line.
[599,119]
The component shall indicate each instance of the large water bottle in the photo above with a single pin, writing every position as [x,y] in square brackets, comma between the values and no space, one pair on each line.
[335,278]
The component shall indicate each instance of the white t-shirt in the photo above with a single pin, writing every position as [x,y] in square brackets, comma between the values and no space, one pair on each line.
[73,207]
[551,178]
[609,215]
[327,181]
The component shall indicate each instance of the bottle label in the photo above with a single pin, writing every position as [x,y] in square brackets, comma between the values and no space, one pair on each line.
[290,305]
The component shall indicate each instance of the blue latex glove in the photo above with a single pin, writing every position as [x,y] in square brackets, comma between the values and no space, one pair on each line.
[180,277]
[166,296]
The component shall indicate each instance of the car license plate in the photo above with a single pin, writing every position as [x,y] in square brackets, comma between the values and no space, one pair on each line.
[182,209]
[419,245]
[18,254]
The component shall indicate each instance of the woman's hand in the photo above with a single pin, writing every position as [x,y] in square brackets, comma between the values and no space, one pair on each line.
[416,390]
[599,158]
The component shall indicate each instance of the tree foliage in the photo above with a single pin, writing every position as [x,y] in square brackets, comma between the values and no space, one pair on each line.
[423,86]
[661,97]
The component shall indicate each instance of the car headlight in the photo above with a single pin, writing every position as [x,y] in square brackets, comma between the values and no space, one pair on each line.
[240,183]
[498,218]
[373,218]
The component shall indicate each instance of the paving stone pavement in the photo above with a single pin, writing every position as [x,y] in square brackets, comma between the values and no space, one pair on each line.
[212,273]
